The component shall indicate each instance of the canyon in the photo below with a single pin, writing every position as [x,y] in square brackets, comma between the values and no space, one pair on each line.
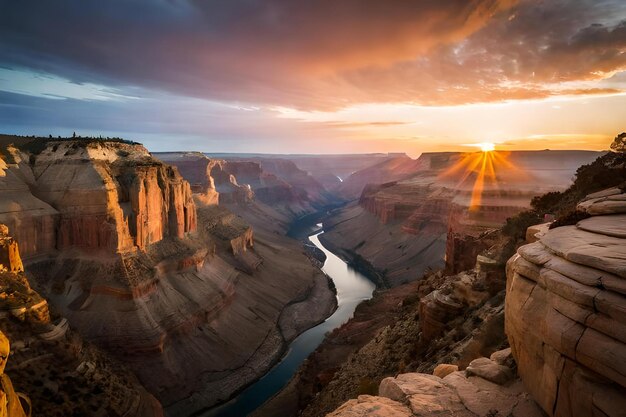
[176,275]
[556,298]
[188,295]
[402,224]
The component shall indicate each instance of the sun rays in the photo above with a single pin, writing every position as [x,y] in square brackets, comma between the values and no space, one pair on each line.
[487,169]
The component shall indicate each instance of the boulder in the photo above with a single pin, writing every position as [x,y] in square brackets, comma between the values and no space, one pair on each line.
[456,395]
[501,357]
[444,369]
[370,406]
[489,370]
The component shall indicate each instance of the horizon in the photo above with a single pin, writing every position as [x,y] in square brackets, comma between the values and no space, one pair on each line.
[357,77]
[467,150]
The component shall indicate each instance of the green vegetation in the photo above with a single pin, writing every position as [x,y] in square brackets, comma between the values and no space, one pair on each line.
[607,171]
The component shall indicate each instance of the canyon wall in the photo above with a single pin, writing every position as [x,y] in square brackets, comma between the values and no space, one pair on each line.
[163,279]
[96,197]
[239,180]
[566,312]
[43,347]
[402,227]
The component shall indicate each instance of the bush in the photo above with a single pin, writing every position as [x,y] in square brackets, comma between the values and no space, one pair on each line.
[367,387]
[570,218]
[516,226]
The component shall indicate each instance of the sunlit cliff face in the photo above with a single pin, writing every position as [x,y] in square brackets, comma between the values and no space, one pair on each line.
[324,76]
[482,171]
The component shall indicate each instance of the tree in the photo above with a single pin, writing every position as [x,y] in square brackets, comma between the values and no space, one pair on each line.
[74,135]
[619,143]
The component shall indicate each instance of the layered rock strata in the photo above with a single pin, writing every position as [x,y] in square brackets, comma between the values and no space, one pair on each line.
[566,312]
[42,351]
[402,227]
[238,181]
[161,279]
[111,197]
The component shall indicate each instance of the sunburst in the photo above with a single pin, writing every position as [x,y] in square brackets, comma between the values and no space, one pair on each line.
[481,167]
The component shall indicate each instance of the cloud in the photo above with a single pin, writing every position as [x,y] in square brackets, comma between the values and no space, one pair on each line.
[323,54]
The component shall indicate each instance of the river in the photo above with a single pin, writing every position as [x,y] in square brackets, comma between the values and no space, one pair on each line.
[352,288]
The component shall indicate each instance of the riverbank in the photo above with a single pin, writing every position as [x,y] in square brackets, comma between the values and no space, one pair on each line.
[351,287]
[383,309]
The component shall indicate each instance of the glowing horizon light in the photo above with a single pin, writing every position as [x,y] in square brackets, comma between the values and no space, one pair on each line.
[486,146]
[483,171]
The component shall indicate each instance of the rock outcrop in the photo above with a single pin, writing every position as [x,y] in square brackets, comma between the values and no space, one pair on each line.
[96,196]
[12,404]
[566,312]
[17,298]
[483,389]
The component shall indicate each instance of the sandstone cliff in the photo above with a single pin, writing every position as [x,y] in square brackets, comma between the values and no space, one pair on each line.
[41,351]
[96,196]
[162,280]
[565,312]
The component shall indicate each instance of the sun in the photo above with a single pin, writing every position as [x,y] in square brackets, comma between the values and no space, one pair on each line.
[486,146]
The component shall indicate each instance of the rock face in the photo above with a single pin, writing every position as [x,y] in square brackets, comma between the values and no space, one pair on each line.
[460,394]
[96,197]
[112,196]
[566,312]
[31,220]
[17,298]
[239,181]
[164,281]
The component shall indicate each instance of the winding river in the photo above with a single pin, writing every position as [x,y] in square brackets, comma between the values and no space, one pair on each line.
[352,288]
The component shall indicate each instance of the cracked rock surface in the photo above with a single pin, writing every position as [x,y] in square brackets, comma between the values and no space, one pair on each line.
[566,312]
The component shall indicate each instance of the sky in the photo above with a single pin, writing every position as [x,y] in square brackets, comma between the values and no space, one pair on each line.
[317,76]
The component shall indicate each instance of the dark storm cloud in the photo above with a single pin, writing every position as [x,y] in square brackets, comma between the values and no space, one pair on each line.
[319,54]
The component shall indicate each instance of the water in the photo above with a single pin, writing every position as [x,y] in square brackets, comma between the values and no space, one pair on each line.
[352,288]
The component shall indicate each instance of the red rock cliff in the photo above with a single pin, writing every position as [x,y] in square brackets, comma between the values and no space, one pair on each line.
[103,196]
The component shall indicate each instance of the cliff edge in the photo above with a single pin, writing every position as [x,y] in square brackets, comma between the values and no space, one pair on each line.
[566,312]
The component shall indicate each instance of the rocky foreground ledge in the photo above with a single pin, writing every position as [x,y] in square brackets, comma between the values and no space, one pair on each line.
[565,319]
[483,389]
[566,312]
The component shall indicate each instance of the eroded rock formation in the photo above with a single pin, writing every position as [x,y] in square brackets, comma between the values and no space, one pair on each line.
[139,266]
[93,196]
[17,298]
[12,404]
[566,312]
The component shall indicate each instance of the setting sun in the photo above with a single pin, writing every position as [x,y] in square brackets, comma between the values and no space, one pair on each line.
[487,146]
